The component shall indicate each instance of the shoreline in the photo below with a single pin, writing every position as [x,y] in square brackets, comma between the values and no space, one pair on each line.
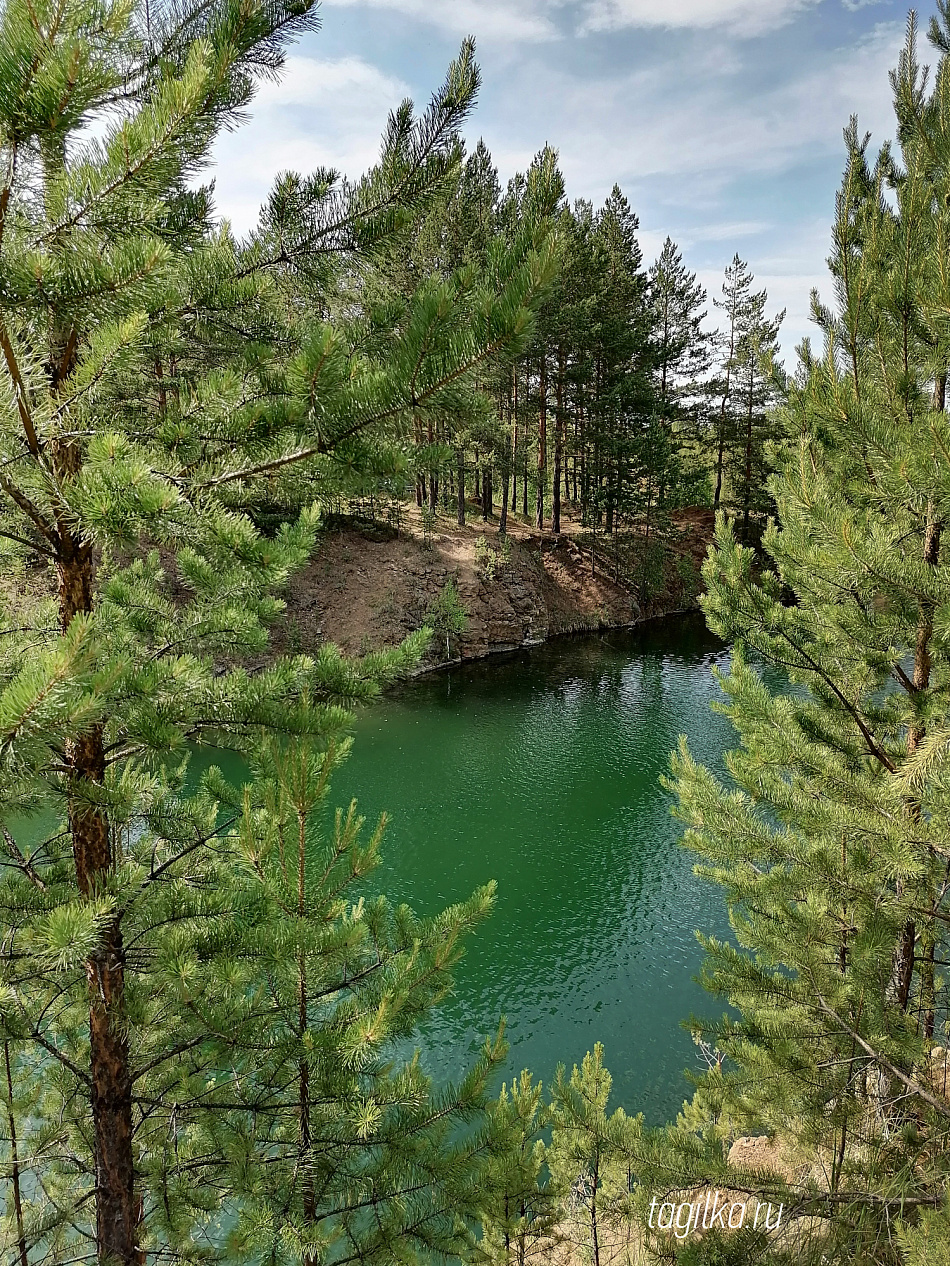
[560,635]
[367,588]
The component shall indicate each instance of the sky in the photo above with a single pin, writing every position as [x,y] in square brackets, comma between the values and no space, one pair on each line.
[720,120]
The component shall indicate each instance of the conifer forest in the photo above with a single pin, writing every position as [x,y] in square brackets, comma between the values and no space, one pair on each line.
[254,484]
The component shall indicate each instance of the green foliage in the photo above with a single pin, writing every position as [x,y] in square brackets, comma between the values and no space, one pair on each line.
[746,1247]
[828,835]
[743,394]
[577,1189]
[325,983]
[446,615]
[520,1206]
[590,1153]
[491,560]
[927,1243]
[174,403]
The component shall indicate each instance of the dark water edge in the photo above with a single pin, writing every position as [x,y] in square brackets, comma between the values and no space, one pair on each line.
[540,769]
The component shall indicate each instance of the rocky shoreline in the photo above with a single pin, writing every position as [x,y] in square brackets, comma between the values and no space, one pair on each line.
[368,588]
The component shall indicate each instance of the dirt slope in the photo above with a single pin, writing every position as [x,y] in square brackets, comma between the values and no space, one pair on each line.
[366,588]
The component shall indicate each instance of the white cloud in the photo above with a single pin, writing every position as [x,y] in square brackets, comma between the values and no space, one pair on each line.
[668,120]
[321,113]
[742,17]
[485,19]
[652,239]
[730,231]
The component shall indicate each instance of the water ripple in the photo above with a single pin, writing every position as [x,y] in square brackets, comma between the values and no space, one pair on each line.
[541,772]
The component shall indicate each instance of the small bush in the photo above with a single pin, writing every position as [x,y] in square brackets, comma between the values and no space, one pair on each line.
[428,524]
[489,560]
[445,614]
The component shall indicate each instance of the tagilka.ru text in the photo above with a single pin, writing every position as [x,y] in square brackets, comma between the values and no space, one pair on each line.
[699,1215]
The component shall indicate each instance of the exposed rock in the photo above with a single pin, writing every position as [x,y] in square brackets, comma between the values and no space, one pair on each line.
[364,591]
[757,1152]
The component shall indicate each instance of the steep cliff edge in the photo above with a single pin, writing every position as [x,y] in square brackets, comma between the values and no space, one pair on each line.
[367,587]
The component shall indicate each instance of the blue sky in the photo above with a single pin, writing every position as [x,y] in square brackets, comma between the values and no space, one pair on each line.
[721,120]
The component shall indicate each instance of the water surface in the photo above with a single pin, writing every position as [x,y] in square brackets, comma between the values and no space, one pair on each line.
[541,771]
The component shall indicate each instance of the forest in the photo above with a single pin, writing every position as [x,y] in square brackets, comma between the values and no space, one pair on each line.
[209,1016]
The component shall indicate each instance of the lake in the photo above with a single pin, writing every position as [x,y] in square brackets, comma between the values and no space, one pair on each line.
[541,770]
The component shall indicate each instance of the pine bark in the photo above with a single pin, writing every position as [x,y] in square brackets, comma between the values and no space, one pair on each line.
[558,443]
[420,482]
[721,439]
[110,1073]
[747,490]
[117,1210]
[514,438]
[902,968]
[433,475]
[542,442]
[461,487]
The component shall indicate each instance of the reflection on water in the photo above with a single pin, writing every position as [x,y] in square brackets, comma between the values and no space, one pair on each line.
[541,771]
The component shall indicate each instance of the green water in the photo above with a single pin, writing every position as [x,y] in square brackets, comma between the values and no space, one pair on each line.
[541,771]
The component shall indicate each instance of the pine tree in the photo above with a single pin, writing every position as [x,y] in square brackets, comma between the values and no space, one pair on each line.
[142,430]
[590,1151]
[520,1205]
[682,360]
[830,842]
[618,398]
[330,1147]
[757,385]
[736,303]
[682,346]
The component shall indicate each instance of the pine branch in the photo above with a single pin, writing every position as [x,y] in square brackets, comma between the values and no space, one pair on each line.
[19,391]
[942,1107]
[21,863]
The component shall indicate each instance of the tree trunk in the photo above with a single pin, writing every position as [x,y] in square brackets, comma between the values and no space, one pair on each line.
[542,442]
[433,477]
[117,1212]
[922,666]
[902,969]
[719,460]
[514,437]
[461,487]
[720,456]
[306,1145]
[110,1081]
[15,1163]
[558,444]
[420,482]
[585,485]
[110,1074]
[747,491]
[567,466]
